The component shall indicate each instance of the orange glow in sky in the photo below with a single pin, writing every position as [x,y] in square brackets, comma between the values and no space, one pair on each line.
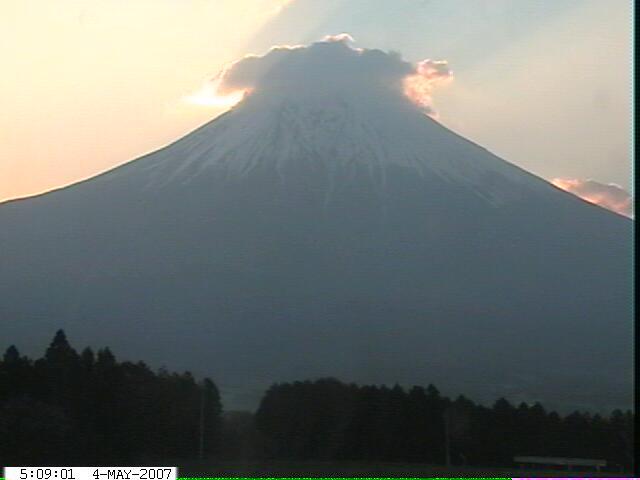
[91,84]
[612,197]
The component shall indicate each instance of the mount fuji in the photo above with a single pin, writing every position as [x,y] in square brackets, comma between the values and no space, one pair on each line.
[322,229]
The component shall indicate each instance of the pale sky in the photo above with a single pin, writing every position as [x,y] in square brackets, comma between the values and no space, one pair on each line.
[90,84]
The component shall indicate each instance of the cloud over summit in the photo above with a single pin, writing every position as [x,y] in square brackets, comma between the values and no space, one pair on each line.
[333,64]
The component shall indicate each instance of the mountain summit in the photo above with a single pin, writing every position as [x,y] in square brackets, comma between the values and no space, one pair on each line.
[327,226]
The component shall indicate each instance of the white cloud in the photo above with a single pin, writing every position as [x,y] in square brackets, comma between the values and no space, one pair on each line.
[333,64]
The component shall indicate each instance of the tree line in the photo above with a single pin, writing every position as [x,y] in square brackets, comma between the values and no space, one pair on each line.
[87,408]
[72,409]
[330,420]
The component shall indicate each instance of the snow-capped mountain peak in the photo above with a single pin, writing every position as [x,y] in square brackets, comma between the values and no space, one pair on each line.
[333,132]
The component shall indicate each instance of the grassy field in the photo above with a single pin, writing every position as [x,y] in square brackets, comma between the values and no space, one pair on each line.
[353,469]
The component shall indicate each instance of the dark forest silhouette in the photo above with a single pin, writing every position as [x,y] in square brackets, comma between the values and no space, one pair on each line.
[329,420]
[69,408]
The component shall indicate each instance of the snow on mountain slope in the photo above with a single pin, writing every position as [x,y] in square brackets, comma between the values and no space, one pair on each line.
[338,132]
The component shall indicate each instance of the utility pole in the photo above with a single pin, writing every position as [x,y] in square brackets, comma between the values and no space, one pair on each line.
[447,434]
[201,446]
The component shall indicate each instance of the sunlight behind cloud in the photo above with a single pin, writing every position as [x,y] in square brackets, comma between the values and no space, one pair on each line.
[330,63]
[207,96]
[419,86]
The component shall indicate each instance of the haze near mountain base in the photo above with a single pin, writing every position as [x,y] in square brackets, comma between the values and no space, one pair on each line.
[327,226]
